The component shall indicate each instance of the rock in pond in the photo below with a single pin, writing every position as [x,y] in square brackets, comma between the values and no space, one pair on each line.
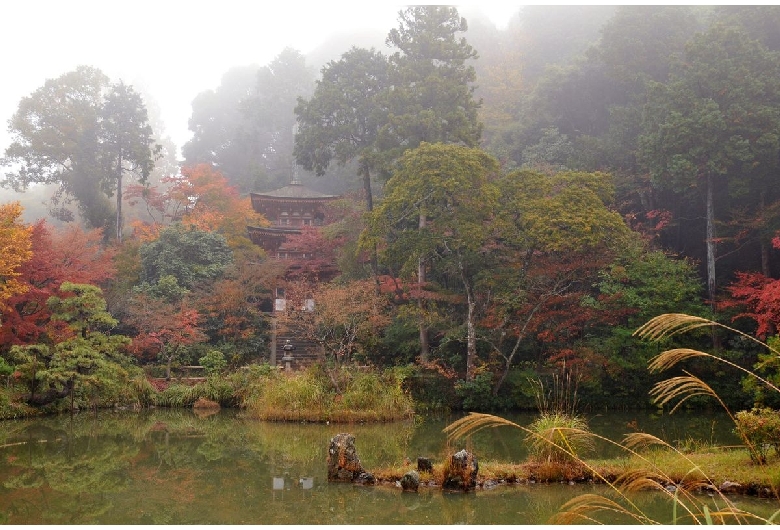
[410,481]
[461,474]
[343,462]
[424,464]
[365,478]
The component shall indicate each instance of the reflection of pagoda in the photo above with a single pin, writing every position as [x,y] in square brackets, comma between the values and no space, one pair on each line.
[288,208]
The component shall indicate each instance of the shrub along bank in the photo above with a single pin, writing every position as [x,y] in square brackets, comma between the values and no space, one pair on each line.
[262,391]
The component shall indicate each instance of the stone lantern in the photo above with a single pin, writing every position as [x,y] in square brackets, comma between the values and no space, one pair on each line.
[288,348]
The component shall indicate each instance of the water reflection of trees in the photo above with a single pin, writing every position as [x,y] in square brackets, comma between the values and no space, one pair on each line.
[376,444]
[84,469]
[49,464]
[171,467]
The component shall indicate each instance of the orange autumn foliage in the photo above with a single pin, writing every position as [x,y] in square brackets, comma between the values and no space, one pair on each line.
[218,207]
[343,319]
[200,197]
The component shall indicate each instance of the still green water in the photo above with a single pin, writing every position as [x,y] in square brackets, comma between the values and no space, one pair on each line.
[174,467]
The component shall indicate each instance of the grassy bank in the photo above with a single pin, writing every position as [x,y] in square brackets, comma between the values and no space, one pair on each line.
[702,470]
[261,391]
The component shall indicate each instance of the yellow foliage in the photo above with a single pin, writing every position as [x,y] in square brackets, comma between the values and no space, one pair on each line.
[15,244]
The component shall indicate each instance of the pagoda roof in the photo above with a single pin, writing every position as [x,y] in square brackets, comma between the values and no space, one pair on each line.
[274,230]
[294,190]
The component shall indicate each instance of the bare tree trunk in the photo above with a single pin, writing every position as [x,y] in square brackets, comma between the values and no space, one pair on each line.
[168,368]
[369,208]
[119,200]
[764,247]
[424,345]
[711,287]
[515,348]
[471,331]
[273,339]
[367,190]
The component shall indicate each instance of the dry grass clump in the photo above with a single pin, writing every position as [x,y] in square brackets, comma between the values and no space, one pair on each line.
[298,396]
[310,396]
[205,404]
[656,465]
[558,438]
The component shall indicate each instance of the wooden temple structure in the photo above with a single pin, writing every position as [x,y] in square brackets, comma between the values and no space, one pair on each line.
[289,209]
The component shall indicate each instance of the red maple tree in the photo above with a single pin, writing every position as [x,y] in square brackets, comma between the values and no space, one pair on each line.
[58,255]
[757,297]
[163,329]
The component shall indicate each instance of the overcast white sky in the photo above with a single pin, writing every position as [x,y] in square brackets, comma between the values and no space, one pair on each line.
[173,48]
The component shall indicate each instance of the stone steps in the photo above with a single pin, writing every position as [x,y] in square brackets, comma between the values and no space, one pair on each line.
[305,353]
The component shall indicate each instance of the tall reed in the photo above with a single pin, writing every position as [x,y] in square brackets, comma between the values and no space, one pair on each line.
[560,396]
[558,424]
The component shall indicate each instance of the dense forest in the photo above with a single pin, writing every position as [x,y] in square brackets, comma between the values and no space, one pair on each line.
[515,204]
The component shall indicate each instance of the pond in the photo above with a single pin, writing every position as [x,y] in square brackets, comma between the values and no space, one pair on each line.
[176,467]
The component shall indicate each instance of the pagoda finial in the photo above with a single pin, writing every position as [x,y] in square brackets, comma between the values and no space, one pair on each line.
[295,181]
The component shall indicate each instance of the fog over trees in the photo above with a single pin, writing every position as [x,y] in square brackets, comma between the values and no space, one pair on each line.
[524,196]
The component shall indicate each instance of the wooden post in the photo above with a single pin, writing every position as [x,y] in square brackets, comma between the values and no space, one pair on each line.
[273,340]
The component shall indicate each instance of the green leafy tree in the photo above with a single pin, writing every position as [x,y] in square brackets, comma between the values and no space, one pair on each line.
[341,121]
[501,86]
[127,141]
[712,130]
[432,99]
[562,212]
[56,141]
[220,129]
[553,233]
[556,34]
[214,362]
[191,256]
[245,127]
[270,109]
[91,356]
[83,357]
[436,212]
[84,311]
[638,43]
[84,135]
[95,366]
[591,98]
[637,46]
[638,285]
[758,21]
[649,283]
[31,363]
[371,109]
